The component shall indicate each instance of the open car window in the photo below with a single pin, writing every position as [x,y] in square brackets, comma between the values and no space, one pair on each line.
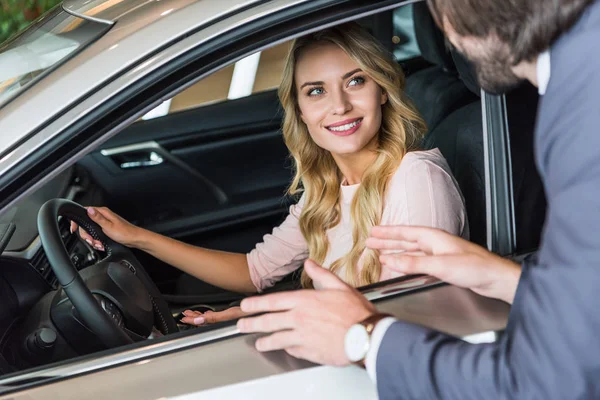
[51,40]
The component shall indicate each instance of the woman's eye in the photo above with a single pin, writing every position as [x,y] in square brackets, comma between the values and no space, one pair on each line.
[316,92]
[357,80]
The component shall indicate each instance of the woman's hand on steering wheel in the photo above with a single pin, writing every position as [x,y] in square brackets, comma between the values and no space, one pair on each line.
[113,226]
[212,317]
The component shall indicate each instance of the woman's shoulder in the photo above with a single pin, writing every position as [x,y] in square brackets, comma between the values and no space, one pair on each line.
[422,161]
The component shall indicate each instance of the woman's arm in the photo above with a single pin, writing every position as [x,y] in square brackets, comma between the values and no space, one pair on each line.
[219,268]
[281,252]
[226,270]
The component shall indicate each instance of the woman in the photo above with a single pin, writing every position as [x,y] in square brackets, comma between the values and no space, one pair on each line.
[354,139]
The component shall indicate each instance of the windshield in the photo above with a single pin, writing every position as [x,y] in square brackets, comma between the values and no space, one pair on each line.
[54,38]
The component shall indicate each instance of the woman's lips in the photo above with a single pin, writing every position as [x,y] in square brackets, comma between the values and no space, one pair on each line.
[345,128]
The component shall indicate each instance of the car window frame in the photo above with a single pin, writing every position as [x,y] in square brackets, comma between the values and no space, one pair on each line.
[92,130]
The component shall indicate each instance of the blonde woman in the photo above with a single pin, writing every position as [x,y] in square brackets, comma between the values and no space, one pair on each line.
[355,141]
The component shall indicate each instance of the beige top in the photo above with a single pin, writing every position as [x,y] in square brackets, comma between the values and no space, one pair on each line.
[422,192]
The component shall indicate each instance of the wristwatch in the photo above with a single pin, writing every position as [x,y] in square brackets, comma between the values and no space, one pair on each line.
[358,338]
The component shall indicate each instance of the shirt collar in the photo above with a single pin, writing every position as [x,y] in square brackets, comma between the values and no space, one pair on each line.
[543,71]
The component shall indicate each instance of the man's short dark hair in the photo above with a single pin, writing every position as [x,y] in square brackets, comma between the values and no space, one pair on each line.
[528,27]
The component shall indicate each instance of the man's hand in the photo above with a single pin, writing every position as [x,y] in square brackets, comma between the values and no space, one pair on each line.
[308,324]
[447,257]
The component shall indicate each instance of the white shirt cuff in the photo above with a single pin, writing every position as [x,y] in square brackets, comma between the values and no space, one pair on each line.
[376,338]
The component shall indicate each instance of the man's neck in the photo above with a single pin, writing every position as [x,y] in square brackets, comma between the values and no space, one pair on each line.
[527,70]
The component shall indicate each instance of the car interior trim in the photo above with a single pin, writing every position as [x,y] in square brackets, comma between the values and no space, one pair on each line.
[498,174]
[154,147]
[30,251]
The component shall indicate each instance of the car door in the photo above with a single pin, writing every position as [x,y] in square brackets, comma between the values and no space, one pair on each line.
[208,166]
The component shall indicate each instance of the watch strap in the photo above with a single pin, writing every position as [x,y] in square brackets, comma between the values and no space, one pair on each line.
[370,323]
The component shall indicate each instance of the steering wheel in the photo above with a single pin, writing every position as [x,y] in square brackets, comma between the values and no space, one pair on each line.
[115,298]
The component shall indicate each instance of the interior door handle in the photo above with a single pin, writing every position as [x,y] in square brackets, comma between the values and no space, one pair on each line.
[149,154]
[149,159]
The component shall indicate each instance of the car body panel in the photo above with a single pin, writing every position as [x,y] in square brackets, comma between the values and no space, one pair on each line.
[216,366]
[112,11]
[136,37]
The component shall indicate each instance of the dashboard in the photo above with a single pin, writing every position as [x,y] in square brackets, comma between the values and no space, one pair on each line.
[25,273]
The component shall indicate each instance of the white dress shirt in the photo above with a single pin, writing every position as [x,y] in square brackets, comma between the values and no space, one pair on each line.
[543,71]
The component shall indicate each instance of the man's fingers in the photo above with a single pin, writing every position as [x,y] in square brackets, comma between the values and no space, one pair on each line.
[402,232]
[274,302]
[391,244]
[437,266]
[323,278]
[267,323]
[278,341]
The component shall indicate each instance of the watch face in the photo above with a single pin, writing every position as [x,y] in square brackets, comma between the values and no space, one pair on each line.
[356,343]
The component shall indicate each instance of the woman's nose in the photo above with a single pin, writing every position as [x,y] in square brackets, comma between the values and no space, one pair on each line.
[340,103]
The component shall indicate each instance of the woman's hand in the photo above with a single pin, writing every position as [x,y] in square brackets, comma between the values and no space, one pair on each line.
[112,225]
[447,257]
[212,317]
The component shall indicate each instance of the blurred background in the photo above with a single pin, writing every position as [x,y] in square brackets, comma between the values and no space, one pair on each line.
[17,14]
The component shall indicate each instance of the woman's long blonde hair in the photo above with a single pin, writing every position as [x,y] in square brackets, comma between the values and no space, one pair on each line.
[316,172]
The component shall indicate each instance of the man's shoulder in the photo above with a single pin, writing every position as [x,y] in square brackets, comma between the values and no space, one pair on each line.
[579,42]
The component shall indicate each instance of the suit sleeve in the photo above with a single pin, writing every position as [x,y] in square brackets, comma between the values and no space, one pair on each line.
[551,348]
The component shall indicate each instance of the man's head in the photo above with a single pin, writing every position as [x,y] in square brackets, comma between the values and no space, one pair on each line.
[503,38]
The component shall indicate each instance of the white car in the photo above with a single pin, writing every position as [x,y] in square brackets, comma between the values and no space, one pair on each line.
[166,111]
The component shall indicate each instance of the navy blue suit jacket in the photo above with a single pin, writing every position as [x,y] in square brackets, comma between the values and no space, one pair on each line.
[551,347]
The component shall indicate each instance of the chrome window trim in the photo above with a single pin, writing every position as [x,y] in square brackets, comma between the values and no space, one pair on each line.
[87,17]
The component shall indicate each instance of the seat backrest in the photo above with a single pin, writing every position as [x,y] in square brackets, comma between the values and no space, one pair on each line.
[460,139]
[459,136]
[436,91]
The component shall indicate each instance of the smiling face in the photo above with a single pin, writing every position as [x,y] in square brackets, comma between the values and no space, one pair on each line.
[338,102]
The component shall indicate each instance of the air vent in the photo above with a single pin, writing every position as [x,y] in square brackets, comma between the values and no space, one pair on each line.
[40,261]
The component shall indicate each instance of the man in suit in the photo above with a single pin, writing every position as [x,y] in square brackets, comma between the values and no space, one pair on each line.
[551,348]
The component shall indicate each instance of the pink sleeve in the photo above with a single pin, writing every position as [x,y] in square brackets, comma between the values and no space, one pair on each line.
[281,252]
[433,199]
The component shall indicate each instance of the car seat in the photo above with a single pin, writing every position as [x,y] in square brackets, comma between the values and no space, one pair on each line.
[436,91]
[459,137]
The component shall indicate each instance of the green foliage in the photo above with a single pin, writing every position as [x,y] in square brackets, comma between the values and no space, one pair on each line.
[18,14]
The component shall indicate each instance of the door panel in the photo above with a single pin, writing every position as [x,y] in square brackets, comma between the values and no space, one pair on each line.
[220,181]
[218,163]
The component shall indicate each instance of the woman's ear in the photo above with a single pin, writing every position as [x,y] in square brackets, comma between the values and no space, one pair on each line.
[384,97]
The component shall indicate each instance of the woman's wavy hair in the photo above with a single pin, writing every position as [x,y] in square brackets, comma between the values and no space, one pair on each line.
[316,173]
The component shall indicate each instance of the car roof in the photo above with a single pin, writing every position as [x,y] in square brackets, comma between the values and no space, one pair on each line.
[140,28]
[124,11]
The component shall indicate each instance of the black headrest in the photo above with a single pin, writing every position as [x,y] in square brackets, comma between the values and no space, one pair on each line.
[466,72]
[430,38]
